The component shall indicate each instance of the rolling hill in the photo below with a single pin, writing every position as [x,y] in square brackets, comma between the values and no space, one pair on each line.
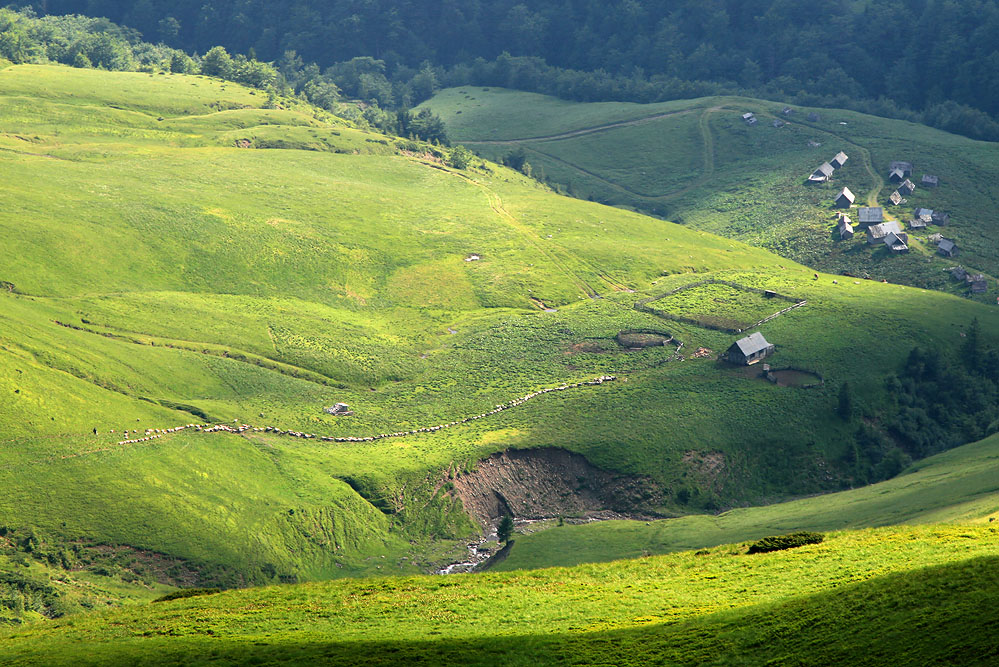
[909,596]
[697,162]
[176,253]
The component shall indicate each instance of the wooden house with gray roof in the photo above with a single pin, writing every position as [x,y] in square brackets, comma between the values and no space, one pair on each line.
[845,198]
[877,233]
[947,248]
[906,188]
[749,350]
[844,228]
[822,174]
[870,215]
[838,160]
[896,243]
[904,167]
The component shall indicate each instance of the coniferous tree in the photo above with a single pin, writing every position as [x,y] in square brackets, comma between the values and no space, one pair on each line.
[505,528]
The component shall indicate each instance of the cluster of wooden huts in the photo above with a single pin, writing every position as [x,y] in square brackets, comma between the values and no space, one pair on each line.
[881,230]
[827,169]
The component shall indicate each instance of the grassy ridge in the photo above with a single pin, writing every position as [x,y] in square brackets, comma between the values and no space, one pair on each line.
[861,596]
[704,166]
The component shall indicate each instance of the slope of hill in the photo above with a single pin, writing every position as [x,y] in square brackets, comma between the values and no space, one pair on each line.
[914,595]
[697,162]
[163,269]
[961,485]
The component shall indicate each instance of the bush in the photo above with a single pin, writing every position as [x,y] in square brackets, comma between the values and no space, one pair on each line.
[781,542]
[187,593]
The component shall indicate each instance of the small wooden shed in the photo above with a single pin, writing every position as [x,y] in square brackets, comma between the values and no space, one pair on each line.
[947,248]
[845,198]
[749,350]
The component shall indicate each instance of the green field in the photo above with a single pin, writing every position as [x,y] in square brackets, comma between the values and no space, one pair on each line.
[697,162]
[718,305]
[914,595]
[958,486]
[175,254]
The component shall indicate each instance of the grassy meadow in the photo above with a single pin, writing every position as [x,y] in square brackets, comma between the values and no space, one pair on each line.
[175,253]
[911,595]
[696,162]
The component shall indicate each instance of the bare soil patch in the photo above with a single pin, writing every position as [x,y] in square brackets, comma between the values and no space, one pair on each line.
[549,483]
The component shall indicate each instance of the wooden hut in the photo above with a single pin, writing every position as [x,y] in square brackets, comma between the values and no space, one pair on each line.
[904,167]
[870,215]
[844,228]
[749,350]
[845,198]
[947,248]
[822,174]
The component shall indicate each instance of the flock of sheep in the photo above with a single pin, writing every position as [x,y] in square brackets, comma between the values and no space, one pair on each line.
[153,433]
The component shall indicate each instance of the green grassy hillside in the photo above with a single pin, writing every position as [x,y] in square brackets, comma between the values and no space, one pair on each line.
[174,253]
[697,162]
[916,595]
[961,485]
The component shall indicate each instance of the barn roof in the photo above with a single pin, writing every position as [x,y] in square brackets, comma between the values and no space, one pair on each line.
[845,192]
[895,198]
[870,214]
[893,240]
[898,164]
[885,228]
[946,245]
[753,343]
[840,158]
[825,169]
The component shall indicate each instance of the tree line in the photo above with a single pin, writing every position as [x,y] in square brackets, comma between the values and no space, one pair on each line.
[935,61]
[87,42]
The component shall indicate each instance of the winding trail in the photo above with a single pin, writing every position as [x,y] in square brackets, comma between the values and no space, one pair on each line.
[559,256]
[583,131]
[708,152]
[152,434]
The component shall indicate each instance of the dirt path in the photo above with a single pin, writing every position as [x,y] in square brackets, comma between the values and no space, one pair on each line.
[559,256]
[583,131]
[708,154]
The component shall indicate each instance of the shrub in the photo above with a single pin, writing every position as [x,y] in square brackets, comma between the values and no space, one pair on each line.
[187,593]
[781,542]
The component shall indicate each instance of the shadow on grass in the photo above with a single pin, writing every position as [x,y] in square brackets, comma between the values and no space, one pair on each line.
[946,614]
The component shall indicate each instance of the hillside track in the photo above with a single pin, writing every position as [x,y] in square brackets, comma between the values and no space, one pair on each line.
[583,131]
[151,435]
[708,154]
[563,264]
